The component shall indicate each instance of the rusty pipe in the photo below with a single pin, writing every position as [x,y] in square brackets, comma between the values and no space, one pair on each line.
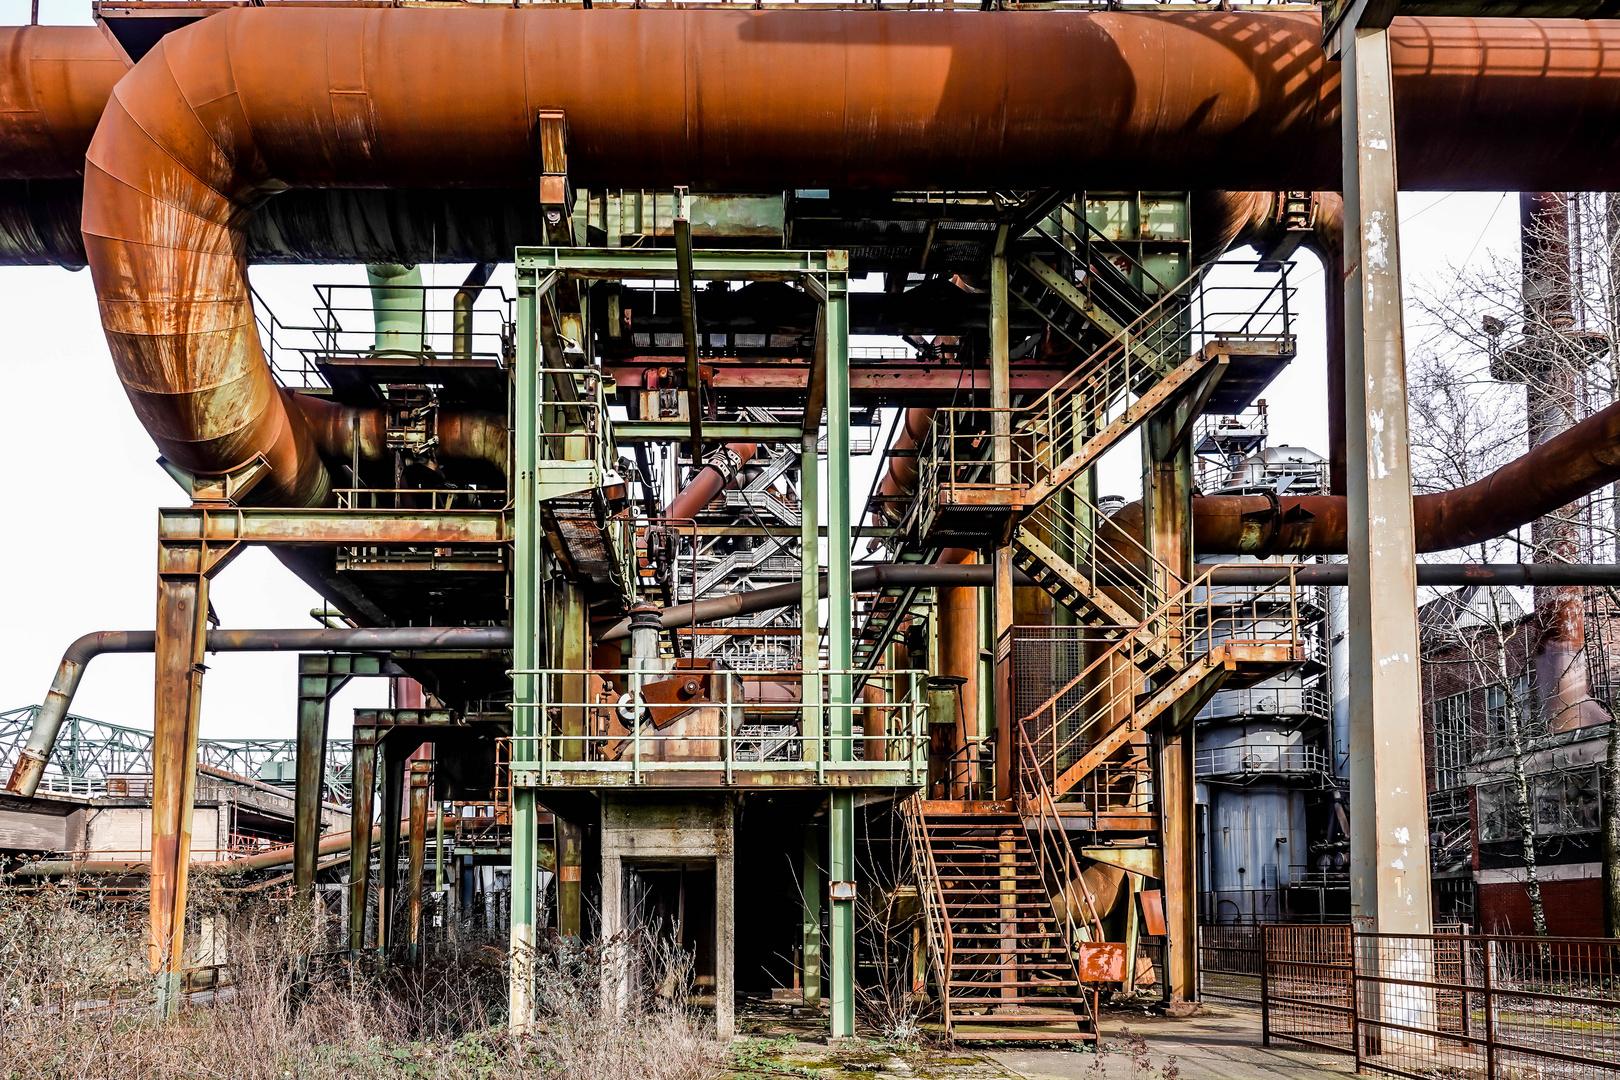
[30,766]
[900,480]
[227,112]
[719,470]
[54,83]
[464,435]
[864,579]
[334,843]
[25,775]
[461,326]
[1559,471]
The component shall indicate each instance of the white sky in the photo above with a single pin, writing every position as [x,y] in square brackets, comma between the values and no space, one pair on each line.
[76,531]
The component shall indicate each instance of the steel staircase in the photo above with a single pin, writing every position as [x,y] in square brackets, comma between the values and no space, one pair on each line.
[1165,669]
[1003,955]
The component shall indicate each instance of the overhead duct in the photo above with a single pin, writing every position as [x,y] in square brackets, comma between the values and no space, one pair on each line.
[1560,471]
[239,106]
[30,764]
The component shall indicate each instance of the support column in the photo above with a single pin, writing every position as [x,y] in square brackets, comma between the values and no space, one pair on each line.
[528,641]
[812,918]
[393,788]
[810,586]
[1389,836]
[1001,606]
[182,626]
[840,631]
[363,785]
[1169,508]
[416,857]
[317,682]
[570,843]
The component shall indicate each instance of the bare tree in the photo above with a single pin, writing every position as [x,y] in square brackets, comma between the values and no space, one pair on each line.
[1509,355]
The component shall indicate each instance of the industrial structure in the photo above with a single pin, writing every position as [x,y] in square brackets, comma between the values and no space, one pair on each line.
[609,524]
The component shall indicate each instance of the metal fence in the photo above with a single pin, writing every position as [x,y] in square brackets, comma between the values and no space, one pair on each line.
[1446,1005]
[1229,962]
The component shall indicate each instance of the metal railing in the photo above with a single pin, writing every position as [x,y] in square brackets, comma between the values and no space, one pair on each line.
[1247,762]
[936,920]
[1110,688]
[1095,403]
[1059,869]
[1427,1005]
[625,725]
[439,499]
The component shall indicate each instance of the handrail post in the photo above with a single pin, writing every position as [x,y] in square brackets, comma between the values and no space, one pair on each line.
[1265,985]
[1490,1009]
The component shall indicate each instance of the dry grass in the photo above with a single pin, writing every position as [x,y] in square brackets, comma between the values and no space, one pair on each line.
[75,1004]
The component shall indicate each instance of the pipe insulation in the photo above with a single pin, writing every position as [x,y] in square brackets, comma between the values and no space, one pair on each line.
[30,766]
[230,111]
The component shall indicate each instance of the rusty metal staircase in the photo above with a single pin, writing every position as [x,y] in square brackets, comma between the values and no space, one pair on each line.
[1004,956]
[1164,670]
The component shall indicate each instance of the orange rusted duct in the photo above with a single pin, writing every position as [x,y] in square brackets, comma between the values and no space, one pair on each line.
[714,477]
[465,435]
[54,83]
[230,110]
[1559,471]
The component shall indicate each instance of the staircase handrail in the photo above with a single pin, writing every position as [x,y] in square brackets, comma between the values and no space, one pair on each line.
[1174,643]
[936,920]
[1044,809]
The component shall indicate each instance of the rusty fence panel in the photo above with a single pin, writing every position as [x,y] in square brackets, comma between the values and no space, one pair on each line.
[1229,962]
[1499,1008]
[1448,1005]
[1307,986]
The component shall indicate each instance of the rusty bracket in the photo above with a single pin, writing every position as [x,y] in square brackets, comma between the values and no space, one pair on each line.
[556,192]
[218,489]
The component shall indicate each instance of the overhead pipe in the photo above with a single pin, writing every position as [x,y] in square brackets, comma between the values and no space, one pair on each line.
[461,317]
[863,579]
[335,843]
[1561,470]
[54,83]
[983,575]
[463,434]
[30,766]
[653,98]
[718,471]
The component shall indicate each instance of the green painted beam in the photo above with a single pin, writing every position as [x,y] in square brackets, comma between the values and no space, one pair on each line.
[645,431]
[660,263]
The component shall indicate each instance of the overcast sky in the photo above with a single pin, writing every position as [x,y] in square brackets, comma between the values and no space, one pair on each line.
[76,533]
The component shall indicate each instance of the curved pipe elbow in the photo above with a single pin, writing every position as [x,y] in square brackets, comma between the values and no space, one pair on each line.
[30,765]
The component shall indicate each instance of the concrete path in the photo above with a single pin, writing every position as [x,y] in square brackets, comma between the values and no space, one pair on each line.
[1221,1043]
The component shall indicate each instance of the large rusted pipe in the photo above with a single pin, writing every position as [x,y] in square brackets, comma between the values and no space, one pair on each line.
[54,83]
[864,579]
[718,471]
[26,773]
[1561,470]
[464,435]
[227,112]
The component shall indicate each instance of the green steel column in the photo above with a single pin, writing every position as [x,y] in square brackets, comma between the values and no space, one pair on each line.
[320,675]
[393,802]
[812,918]
[526,653]
[309,775]
[840,630]
[810,581]
[363,784]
